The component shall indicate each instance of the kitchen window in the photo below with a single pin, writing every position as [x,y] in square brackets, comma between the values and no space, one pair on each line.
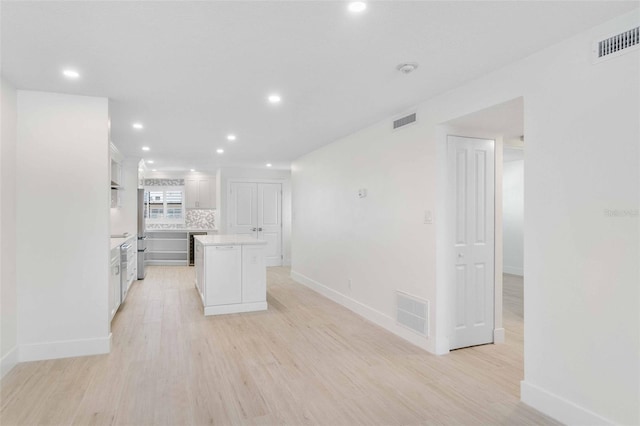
[164,204]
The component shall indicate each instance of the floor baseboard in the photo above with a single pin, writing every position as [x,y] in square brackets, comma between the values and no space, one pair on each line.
[559,408]
[64,349]
[376,317]
[8,361]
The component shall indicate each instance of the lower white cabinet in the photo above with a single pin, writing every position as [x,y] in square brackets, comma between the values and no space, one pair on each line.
[132,262]
[114,282]
[254,280]
[223,275]
[231,278]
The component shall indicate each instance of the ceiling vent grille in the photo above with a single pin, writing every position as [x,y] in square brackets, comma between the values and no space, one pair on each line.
[617,44]
[408,119]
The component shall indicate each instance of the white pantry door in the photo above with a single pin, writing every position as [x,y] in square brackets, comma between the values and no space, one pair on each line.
[471,176]
[270,221]
[256,209]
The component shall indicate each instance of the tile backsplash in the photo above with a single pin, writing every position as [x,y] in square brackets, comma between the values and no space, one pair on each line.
[201,218]
[163,182]
[194,219]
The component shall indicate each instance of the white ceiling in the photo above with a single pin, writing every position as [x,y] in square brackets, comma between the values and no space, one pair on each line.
[194,71]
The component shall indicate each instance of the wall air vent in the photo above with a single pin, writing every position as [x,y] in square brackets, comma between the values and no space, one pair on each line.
[407,119]
[412,313]
[616,45]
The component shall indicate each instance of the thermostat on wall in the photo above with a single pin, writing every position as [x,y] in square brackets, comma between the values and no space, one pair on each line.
[362,192]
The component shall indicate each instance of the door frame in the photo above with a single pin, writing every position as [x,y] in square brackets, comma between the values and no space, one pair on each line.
[453,141]
[445,302]
[285,213]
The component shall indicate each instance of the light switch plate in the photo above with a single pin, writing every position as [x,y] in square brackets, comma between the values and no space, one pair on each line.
[428,217]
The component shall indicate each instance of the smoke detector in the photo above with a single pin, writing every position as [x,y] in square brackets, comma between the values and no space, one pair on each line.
[407,67]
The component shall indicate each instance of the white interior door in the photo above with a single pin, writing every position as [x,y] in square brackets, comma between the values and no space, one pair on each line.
[256,209]
[471,176]
[270,221]
[243,210]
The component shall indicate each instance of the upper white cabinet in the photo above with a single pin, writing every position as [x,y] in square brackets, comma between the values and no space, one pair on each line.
[142,171]
[116,173]
[200,192]
[116,176]
[116,166]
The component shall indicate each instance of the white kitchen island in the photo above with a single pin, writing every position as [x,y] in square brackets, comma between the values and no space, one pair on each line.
[231,274]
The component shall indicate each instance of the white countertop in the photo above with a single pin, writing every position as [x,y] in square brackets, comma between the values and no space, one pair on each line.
[228,240]
[117,242]
[181,230]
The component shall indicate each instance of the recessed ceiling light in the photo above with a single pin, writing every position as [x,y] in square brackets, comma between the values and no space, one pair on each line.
[231,137]
[71,74]
[154,170]
[138,126]
[220,151]
[274,98]
[150,161]
[269,164]
[357,6]
[193,170]
[145,148]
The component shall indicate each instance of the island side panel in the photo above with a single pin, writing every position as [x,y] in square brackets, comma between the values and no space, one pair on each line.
[254,274]
[223,275]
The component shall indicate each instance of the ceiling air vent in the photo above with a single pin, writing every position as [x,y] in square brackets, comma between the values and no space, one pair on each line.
[616,45]
[408,119]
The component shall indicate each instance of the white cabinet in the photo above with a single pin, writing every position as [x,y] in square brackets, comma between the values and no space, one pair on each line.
[114,282]
[223,275]
[116,176]
[254,279]
[132,262]
[200,192]
[199,265]
[231,278]
[116,172]
[142,171]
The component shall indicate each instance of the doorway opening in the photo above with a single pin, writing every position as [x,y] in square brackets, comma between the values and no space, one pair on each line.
[255,209]
[503,124]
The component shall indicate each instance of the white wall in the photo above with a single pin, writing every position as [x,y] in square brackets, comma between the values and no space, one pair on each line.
[513,216]
[581,290]
[125,218]
[63,225]
[8,290]
[224,175]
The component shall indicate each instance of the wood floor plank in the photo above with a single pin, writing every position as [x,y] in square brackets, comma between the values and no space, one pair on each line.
[305,361]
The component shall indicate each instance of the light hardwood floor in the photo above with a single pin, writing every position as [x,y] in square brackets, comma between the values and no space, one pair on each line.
[304,361]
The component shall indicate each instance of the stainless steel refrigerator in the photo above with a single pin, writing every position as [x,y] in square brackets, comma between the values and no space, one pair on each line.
[142,235]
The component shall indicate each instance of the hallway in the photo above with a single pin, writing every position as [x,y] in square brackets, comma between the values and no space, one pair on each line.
[306,360]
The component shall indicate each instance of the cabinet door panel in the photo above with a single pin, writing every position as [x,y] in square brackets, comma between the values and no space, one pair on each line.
[199,263]
[191,193]
[223,275]
[204,194]
[254,278]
